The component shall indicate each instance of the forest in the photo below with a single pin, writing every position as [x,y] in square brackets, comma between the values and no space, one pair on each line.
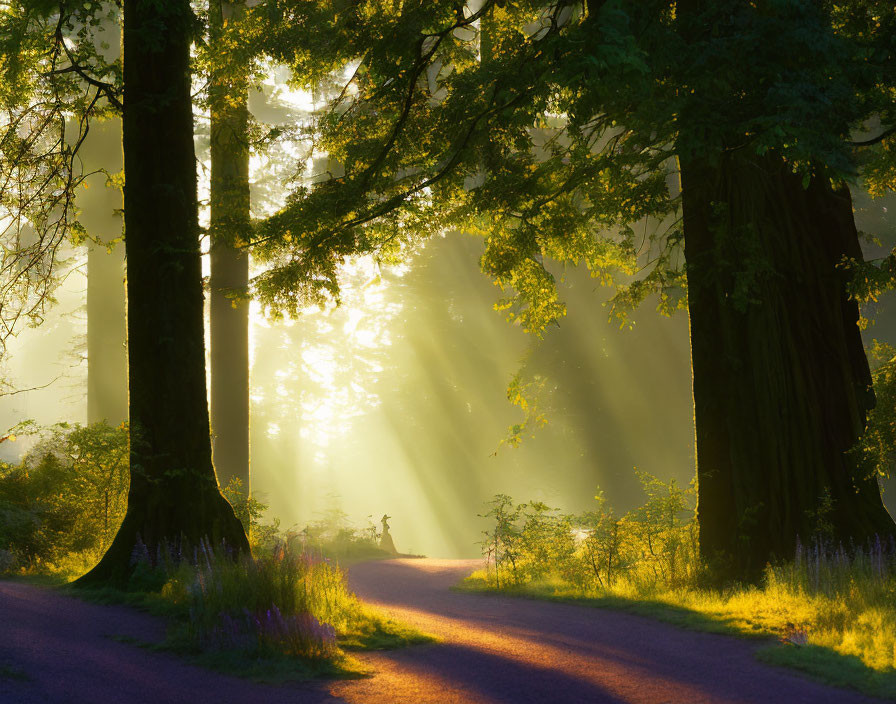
[590,300]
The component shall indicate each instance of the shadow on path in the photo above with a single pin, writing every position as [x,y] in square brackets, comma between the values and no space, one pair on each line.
[506,649]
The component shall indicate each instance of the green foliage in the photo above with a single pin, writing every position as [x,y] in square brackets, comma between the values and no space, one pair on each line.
[501,546]
[877,446]
[66,498]
[654,545]
[527,395]
[831,608]
[286,615]
[263,537]
[54,81]
[552,131]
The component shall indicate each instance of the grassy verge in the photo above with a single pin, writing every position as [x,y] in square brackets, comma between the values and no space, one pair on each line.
[846,641]
[273,619]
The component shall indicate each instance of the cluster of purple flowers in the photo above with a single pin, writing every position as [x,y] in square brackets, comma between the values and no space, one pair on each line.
[169,554]
[301,634]
[261,605]
[829,568]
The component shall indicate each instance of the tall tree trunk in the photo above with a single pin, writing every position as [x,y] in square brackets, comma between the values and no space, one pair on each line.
[107,362]
[173,499]
[100,206]
[781,383]
[229,262]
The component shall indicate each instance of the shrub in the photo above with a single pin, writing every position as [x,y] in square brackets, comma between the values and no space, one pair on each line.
[654,545]
[263,537]
[334,536]
[503,546]
[67,496]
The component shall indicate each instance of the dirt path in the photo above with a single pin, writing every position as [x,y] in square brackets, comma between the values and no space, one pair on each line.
[493,649]
[503,649]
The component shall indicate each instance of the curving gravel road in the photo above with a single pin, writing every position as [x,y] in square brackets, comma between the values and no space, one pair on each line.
[56,649]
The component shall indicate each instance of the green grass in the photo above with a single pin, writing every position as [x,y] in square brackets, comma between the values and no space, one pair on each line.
[832,668]
[850,638]
[371,631]
[193,601]
[38,579]
[374,631]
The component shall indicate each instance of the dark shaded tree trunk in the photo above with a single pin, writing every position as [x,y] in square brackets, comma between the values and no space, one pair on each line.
[173,499]
[781,383]
[230,203]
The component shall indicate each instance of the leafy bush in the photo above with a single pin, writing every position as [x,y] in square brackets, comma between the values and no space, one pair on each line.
[66,497]
[263,537]
[654,545]
[61,506]
[334,536]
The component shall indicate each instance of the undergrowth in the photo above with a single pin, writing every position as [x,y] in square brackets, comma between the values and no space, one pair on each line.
[831,611]
[280,616]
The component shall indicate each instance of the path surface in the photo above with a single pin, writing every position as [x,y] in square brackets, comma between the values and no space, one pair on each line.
[492,649]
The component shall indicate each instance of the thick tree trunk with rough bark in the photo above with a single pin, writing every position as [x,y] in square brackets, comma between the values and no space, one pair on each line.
[781,383]
[229,264]
[173,499]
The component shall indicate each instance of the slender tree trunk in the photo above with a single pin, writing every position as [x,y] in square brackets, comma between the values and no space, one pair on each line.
[173,501]
[100,206]
[107,370]
[229,263]
[781,383]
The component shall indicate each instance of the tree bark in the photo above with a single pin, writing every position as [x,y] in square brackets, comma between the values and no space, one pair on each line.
[780,379]
[173,500]
[230,202]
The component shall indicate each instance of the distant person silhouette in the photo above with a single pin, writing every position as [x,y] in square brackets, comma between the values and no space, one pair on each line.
[386,539]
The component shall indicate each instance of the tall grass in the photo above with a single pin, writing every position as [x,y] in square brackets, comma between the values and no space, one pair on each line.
[287,602]
[282,615]
[282,603]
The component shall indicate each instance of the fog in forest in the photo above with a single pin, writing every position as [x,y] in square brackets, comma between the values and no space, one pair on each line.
[396,401]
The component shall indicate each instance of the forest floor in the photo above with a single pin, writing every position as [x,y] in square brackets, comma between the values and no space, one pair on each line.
[55,648]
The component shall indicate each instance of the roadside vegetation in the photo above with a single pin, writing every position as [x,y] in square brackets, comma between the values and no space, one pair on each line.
[279,615]
[832,610]
[285,612]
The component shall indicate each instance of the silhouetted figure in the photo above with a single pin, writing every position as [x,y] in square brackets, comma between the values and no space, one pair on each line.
[386,539]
